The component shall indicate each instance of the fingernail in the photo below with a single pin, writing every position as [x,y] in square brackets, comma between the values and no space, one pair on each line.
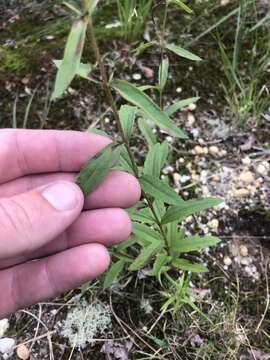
[61,195]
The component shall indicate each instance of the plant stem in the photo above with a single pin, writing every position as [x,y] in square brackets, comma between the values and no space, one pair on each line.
[109,95]
[162,47]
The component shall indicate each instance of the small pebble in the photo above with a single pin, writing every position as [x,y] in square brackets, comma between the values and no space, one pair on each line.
[223,153]
[201,141]
[246,261]
[216,178]
[233,249]
[176,178]
[192,107]
[213,150]
[246,160]
[6,346]
[4,325]
[198,150]
[263,168]
[205,150]
[190,120]
[243,251]
[181,160]
[22,352]
[240,193]
[137,76]
[227,261]
[213,224]
[246,177]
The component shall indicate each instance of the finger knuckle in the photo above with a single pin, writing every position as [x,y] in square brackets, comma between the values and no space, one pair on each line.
[14,218]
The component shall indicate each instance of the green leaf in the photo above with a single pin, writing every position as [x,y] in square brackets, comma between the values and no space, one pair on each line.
[188,208]
[138,98]
[83,69]
[89,5]
[147,132]
[181,5]
[96,169]
[144,216]
[180,105]
[163,73]
[182,52]
[126,244]
[73,8]
[187,265]
[127,116]
[178,236]
[195,243]
[172,230]
[159,208]
[143,46]
[113,273]
[146,233]
[156,159]
[72,57]
[146,87]
[161,260]
[158,189]
[145,255]
[97,131]
[125,162]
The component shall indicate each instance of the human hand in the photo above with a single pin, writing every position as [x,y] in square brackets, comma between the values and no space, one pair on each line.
[43,215]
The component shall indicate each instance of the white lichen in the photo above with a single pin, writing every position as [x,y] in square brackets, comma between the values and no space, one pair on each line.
[85,322]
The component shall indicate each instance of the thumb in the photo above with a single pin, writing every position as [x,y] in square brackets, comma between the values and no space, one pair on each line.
[30,220]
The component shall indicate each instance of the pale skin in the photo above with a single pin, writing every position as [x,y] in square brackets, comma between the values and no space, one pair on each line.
[44,216]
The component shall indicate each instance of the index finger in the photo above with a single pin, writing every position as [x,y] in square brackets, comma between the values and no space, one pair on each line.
[24,152]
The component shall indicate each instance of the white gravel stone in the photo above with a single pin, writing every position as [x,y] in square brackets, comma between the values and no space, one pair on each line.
[4,325]
[243,251]
[227,261]
[213,150]
[137,76]
[247,177]
[6,347]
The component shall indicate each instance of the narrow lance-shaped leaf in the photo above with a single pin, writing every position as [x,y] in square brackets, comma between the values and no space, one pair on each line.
[125,162]
[188,208]
[147,132]
[195,243]
[127,116]
[146,233]
[161,260]
[180,105]
[83,70]
[155,159]
[181,5]
[160,190]
[138,98]
[145,255]
[163,73]
[182,52]
[143,216]
[95,170]
[187,265]
[72,7]
[113,273]
[72,57]
[89,5]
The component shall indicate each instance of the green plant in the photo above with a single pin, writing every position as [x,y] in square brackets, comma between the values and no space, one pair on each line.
[132,15]
[157,230]
[243,88]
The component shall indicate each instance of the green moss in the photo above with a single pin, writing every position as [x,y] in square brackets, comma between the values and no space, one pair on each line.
[12,61]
